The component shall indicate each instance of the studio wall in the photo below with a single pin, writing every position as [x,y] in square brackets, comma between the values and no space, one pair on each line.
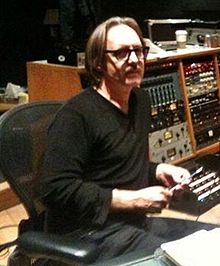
[24,37]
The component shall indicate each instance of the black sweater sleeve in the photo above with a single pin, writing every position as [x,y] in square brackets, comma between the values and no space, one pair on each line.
[63,186]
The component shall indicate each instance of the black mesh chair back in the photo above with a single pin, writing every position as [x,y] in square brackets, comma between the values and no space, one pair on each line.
[23,140]
[23,134]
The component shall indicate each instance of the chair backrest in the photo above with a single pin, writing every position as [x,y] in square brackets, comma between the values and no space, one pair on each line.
[23,138]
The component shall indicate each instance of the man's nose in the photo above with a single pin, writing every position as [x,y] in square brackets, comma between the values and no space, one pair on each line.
[133,57]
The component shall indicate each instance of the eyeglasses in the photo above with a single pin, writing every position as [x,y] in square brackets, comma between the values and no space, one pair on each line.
[123,54]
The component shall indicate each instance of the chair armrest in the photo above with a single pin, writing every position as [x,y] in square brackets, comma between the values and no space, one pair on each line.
[58,248]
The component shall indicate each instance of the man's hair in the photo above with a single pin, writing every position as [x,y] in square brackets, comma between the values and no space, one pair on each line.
[95,61]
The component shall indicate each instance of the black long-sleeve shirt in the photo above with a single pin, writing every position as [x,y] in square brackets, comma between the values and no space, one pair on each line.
[93,147]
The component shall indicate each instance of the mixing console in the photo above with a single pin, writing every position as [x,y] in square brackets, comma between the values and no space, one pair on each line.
[169,139]
[200,78]
[204,189]
[162,82]
[201,84]
[170,143]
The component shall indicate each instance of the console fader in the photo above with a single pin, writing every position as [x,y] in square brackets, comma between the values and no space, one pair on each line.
[169,139]
[204,103]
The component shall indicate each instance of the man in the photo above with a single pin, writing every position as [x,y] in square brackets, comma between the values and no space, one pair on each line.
[97,179]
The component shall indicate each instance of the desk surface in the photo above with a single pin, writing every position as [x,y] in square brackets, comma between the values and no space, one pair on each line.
[6,106]
[211,216]
[190,51]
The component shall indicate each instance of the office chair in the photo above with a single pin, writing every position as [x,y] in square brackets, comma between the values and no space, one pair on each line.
[23,138]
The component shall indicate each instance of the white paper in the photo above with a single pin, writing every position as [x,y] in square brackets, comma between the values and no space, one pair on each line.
[201,248]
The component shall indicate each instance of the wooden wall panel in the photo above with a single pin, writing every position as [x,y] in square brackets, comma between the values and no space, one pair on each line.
[51,81]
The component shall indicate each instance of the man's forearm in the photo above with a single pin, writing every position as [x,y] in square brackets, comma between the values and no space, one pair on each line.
[122,199]
[128,200]
[156,197]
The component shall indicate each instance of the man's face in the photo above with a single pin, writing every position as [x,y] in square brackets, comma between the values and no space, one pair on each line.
[124,67]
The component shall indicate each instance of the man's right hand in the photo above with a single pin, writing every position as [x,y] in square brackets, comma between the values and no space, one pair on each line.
[150,199]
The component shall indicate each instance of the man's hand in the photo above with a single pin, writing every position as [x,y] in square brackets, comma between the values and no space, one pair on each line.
[171,176]
[150,199]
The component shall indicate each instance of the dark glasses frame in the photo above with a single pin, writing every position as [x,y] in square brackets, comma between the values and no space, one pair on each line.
[123,54]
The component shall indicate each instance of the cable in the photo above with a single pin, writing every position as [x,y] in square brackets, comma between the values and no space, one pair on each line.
[7,245]
[8,226]
[4,254]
